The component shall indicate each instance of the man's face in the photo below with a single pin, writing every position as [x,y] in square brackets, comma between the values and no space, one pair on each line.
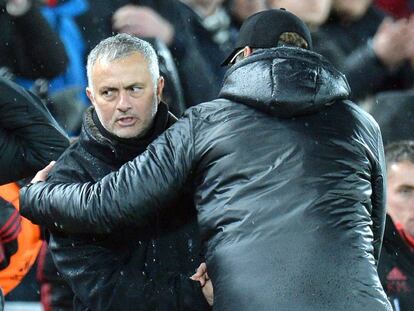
[123,95]
[351,9]
[400,194]
[312,12]
[242,9]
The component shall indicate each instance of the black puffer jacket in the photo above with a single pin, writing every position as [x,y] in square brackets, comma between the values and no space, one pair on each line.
[29,136]
[130,269]
[288,187]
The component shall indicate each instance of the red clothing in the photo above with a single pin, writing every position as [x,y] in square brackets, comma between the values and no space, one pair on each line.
[408,238]
[27,246]
[397,8]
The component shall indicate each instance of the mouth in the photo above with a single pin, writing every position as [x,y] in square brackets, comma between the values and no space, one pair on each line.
[126,121]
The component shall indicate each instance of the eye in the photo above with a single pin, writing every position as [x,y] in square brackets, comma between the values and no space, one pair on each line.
[107,93]
[407,191]
[135,89]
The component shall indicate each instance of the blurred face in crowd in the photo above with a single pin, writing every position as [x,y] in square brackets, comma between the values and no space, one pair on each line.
[351,9]
[400,194]
[204,3]
[410,43]
[242,9]
[124,95]
[204,7]
[312,12]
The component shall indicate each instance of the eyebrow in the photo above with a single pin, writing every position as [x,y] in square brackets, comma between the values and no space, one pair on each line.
[134,84]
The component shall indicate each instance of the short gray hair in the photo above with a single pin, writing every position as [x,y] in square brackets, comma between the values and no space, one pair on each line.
[119,46]
[399,151]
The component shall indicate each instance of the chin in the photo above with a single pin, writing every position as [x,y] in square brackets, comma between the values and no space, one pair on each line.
[129,131]
[128,134]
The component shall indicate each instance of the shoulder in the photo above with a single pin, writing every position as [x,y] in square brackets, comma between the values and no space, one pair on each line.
[217,110]
[363,118]
[70,167]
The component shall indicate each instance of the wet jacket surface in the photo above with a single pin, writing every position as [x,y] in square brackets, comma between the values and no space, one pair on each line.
[129,269]
[288,185]
[29,136]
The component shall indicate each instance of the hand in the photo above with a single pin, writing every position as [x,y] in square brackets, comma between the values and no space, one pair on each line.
[143,22]
[201,276]
[390,42]
[42,174]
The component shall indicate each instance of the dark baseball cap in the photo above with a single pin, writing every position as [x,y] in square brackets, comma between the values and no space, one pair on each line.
[263,30]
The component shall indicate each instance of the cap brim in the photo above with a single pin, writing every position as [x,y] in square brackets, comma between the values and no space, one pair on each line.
[229,58]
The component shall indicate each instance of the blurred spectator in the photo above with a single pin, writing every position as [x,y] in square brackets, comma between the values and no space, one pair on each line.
[65,94]
[215,19]
[171,22]
[61,16]
[396,266]
[28,46]
[215,34]
[394,110]
[29,136]
[242,9]
[314,13]
[29,139]
[397,8]
[374,47]
[24,243]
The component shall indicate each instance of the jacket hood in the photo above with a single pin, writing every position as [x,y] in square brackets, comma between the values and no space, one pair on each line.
[285,82]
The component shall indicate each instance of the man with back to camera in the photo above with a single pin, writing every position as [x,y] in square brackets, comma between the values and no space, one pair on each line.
[130,269]
[397,256]
[287,177]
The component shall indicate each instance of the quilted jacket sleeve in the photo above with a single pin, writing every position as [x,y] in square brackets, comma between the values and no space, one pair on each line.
[136,191]
[378,200]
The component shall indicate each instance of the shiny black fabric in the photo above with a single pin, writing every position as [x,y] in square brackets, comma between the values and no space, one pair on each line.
[132,268]
[29,136]
[288,184]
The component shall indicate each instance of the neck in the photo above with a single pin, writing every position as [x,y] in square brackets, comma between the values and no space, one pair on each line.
[406,236]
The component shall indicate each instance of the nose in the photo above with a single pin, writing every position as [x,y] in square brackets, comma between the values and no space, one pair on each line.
[124,102]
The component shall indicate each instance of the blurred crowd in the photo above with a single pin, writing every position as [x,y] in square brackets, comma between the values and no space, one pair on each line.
[44,46]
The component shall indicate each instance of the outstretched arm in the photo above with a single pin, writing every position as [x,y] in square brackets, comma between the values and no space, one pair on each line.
[126,197]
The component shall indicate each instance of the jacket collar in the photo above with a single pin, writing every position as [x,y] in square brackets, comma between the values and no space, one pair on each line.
[285,82]
[114,150]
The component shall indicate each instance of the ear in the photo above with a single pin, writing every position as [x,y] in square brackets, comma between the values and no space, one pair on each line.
[160,88]
[247,51]
[89,93]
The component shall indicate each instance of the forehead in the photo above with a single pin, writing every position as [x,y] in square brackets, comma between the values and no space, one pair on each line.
[133,66]
[401,172]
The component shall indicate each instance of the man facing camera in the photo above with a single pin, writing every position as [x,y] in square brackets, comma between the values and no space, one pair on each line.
[130,269]
[396,267]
